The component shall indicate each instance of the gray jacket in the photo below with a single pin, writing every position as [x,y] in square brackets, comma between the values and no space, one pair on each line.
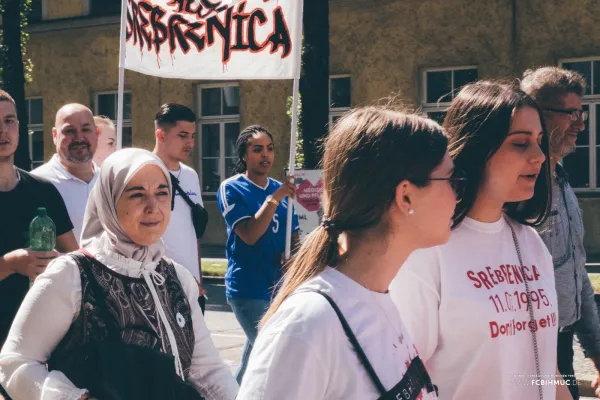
[563,235]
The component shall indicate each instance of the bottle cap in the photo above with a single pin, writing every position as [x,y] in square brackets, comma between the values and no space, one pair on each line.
[42,211]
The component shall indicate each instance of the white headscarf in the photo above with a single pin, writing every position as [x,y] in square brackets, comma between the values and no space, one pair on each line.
[101,226]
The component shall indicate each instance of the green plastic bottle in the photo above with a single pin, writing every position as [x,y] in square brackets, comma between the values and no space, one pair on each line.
[42,232]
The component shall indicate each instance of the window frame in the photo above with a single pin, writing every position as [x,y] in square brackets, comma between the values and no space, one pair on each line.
[591,101]
[31,128]
[127,123]
[337,111]
[440,106]
[212,120]
[44,12]
[87,10]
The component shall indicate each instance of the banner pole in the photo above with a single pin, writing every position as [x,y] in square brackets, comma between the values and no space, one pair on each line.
[121,89]
[292,168]
[294,128]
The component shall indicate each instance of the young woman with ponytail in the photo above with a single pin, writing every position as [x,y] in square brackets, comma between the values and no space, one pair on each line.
[388,190]
[255,210]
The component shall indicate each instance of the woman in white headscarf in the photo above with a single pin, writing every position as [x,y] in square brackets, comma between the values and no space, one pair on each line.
[148,300]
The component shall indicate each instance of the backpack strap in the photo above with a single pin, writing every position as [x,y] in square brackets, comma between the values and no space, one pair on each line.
[177,188]
[359,351]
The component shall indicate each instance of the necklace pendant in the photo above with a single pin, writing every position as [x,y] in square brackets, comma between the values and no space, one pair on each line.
[401,338]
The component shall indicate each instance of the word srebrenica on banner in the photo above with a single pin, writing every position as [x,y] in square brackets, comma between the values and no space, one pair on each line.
[199,39]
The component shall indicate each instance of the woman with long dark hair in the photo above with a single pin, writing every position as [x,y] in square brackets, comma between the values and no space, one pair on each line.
[482,308]
[333,332]
[255,209]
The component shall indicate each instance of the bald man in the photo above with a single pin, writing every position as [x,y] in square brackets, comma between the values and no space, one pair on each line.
[72,169]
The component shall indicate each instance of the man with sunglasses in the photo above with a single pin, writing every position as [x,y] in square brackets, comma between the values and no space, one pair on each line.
[559,92]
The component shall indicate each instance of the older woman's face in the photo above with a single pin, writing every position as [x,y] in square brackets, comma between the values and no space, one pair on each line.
[144,208]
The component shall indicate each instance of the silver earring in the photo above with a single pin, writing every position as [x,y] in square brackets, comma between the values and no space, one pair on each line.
[411,211]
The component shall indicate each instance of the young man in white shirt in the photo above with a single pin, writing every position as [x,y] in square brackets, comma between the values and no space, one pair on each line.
[175,126]
[72,169]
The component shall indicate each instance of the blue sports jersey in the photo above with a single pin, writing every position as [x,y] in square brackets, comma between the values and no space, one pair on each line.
[252,271]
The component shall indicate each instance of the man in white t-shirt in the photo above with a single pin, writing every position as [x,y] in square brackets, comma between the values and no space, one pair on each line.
[175,126]
[72,169]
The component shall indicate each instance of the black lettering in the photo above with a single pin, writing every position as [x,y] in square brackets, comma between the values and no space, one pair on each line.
[145,23]
[158,28]
[148,27]
[211,8]
[129,29]
[137,36]
[175,34]
[223,29]
[281,34]
[188,8]
[260,17]
[239,19]
[179,3]
[190,34]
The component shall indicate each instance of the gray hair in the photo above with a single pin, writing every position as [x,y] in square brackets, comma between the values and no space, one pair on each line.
[546,83]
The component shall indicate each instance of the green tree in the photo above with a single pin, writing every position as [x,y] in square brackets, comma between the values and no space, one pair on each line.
[300,142]
[15,71]
[314,83]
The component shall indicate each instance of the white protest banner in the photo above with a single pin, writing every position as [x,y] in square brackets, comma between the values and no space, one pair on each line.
[213,39]
[309,187]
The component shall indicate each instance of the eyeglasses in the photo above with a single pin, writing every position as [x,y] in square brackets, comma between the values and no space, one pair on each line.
[575,115]
[458,181]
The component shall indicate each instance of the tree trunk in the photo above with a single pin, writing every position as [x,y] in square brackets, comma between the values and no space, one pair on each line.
[314,84]
[13,74]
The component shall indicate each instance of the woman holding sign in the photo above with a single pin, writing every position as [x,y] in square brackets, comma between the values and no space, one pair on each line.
[333,331]
[482,308]
[255,210]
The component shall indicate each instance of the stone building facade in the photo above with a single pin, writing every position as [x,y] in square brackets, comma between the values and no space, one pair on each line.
[411,51]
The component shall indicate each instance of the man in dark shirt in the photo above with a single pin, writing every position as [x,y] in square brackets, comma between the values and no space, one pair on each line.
[20,196]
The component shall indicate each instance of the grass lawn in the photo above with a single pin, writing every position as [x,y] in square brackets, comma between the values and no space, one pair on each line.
[214,267]
[595,279]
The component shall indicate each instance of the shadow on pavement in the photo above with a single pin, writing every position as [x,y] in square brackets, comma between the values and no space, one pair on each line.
[216,296]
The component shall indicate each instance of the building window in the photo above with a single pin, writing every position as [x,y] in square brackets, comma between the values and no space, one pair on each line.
[105,103]
[102,8]
[219,127]
[36,14]
[583,166]
[440,85]
[339,96]
[35,126]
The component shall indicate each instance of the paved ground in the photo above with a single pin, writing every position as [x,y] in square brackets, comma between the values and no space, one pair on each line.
[225,330]
[584,370]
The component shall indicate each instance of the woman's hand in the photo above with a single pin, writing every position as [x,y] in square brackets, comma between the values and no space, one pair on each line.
[286,189]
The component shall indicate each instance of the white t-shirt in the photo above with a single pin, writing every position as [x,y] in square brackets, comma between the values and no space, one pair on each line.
[303,352]
[180,236]
[73,190]
[465,306]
